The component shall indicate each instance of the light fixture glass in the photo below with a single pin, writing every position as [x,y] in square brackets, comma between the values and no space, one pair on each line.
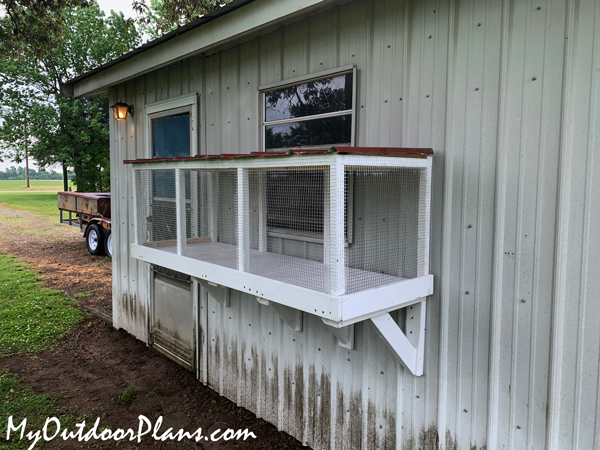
[120,110]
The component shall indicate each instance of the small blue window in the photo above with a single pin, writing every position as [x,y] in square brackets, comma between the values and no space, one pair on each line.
[171,136]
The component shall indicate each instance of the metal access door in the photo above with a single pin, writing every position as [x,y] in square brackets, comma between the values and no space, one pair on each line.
[173,325]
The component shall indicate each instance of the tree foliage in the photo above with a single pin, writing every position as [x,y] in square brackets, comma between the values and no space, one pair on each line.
[32,27]
[158,17]
[53,128]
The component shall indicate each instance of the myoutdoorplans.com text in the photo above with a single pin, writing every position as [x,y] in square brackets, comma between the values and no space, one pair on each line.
[52,430]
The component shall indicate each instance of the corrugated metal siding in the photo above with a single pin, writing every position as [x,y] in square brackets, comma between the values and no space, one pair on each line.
[506,93]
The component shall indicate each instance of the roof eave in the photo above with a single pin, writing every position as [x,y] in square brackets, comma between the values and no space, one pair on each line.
[209,32]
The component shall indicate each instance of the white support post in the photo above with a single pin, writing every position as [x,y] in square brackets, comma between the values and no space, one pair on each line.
[399,344]
[262,211]
[180,211]
[243,225]
[337,251]
[291,316]
[326,220]
[213,205]
[415,331]
[345,335]
[136,208]
[220,293]
[194,203]
[424,220]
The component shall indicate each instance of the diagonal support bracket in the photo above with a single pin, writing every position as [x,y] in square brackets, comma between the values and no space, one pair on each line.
[216,291]
[345,335]
[409,347]
[292,317]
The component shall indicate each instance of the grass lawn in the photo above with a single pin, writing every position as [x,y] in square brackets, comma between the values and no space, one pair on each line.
[36,185]
[44,203]
[32,319]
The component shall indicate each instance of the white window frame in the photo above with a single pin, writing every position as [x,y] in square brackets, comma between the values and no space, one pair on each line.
[171,107]
[303,80]
[174,106]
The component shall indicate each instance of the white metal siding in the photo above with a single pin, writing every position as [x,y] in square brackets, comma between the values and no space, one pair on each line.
[507,94]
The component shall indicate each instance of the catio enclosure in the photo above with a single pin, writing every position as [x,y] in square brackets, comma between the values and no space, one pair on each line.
[507,94]
[283,228]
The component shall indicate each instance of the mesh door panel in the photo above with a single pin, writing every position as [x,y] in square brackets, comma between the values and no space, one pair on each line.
[156,211]
[286,217]
[212,235]
[384,209]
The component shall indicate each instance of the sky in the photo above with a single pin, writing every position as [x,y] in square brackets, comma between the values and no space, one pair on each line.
[117,5]
[106,5]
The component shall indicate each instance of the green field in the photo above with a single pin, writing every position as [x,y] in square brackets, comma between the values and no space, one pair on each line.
[44,203]
[36,185]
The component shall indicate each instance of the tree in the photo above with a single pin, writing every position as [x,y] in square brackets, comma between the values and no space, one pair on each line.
[32,26]
[56,128]
[158,17]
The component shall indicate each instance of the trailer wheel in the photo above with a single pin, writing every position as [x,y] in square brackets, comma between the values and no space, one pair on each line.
[108,243]
[94,240]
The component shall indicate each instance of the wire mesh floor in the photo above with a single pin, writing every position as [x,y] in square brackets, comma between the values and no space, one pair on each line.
[279,267]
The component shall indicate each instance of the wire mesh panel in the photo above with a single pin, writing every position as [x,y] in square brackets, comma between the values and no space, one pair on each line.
[156,208]
[286,218]
[385,208]
[212,218]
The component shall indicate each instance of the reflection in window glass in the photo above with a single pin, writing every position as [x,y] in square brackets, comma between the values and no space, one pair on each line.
[171,136]
[316,97]
[325,131]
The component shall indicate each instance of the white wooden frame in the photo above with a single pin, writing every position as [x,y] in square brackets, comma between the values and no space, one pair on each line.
[338,310]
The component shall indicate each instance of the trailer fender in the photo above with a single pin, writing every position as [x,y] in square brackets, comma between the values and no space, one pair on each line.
[101,222]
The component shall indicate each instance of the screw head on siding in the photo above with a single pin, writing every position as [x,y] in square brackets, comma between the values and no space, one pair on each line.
[427,96]
[467,292]
[465,410]
[522,300]
[478,24]
[518,427]
[533,78]
[389,46]
[470,226]
[476,88]
[430,36]
[539,8]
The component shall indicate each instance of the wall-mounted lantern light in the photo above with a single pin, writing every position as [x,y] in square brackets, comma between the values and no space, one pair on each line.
[120,110]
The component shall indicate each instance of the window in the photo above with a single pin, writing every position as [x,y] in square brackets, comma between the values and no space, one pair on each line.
[172,127]
[315,112]
[310,113]
[170,132]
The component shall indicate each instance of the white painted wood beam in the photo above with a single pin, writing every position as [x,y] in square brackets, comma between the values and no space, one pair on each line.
[400,345]
[220,293]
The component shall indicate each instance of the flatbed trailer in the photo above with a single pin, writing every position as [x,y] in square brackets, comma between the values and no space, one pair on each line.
[91,213]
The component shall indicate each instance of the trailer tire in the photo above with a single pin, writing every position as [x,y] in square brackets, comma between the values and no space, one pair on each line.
[94,240]
[108,243]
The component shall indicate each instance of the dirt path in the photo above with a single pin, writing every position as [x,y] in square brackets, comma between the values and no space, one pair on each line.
[97,364]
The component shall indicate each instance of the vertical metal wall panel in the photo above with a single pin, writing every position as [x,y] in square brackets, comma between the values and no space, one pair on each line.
[506,93]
